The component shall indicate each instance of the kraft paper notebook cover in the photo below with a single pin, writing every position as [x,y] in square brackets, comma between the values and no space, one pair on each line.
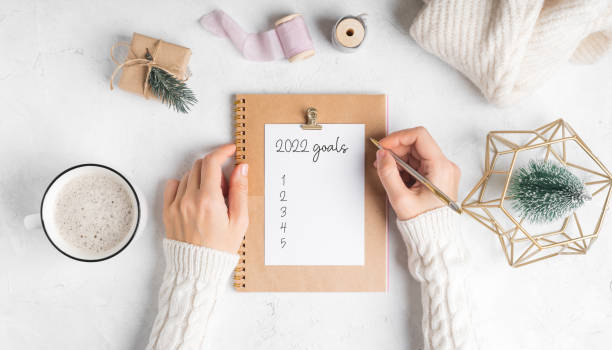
[351,260]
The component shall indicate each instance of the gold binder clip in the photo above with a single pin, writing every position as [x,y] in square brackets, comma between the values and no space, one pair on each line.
[311,122]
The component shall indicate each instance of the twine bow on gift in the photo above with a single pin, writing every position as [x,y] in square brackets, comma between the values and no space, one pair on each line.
[148,61]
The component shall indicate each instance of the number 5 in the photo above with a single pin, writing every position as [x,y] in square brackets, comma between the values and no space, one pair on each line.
[283,243]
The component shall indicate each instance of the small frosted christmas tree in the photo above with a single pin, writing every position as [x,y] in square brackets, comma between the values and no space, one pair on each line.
[544,191]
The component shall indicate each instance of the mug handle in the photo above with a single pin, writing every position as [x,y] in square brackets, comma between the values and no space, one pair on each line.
[32,221]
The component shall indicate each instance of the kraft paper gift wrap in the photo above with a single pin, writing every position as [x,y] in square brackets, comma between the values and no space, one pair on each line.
[171,57]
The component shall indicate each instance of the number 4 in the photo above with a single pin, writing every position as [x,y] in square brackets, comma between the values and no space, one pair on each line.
[283,226]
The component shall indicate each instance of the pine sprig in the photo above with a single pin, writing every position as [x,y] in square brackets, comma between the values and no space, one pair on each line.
[170,90]
[544,191]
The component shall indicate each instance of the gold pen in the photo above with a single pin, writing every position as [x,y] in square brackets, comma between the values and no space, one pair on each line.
[441,195]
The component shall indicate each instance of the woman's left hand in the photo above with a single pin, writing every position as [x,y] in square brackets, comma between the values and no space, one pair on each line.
[194,208]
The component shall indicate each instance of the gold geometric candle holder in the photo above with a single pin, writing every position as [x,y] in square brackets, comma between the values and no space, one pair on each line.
[522,242]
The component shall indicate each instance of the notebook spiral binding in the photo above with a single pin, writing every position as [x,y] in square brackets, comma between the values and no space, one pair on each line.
[240,157]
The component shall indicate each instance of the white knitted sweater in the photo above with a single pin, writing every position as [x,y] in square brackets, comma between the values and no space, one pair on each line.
[196,276]
[436,258]
[509,47]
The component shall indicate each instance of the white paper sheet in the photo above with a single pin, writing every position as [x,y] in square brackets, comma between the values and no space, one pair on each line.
[314,195]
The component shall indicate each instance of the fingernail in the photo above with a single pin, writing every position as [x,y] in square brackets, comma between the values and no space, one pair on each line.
[244,170]
[380,154]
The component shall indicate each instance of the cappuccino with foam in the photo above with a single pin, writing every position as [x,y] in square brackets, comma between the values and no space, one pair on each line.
[94,212]
[90,212]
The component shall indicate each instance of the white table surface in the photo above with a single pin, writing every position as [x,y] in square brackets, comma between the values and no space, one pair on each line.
[56,110]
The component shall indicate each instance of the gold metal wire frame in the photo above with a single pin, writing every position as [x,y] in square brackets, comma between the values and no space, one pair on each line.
[520,246]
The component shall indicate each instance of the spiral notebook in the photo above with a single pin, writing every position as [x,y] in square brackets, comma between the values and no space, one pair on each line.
[317,211]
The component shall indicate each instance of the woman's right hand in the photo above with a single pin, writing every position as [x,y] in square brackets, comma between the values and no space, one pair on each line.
[408,197]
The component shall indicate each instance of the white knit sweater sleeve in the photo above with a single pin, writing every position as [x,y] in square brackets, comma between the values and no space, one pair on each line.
[436,259]
[193,279]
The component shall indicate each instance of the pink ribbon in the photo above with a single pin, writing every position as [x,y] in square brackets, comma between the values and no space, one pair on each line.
[286,40]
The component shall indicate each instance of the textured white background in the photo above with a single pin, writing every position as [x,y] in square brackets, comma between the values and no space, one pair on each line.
[56,110]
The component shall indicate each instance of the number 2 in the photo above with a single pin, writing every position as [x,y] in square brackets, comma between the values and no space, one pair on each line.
[303,145]
[282,196]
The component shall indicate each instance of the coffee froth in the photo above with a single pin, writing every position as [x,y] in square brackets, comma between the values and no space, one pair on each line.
[94,212]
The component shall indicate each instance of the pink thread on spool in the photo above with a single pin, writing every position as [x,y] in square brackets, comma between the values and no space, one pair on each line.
[288,39]
[294,37]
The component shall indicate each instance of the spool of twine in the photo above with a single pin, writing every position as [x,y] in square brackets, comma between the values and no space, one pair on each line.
[349,33]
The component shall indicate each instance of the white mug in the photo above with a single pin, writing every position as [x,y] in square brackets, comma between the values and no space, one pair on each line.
[45,217]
